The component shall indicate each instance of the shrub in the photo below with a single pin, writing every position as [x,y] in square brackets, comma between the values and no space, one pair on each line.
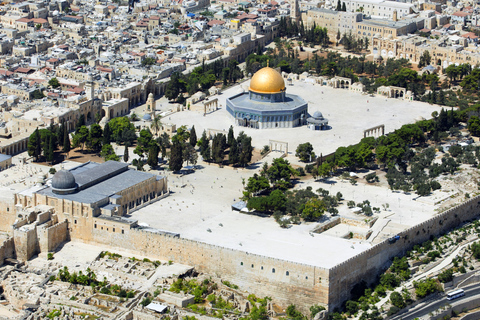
[446,276]
[397,300]
[392,311]
[146,301]
[50,256]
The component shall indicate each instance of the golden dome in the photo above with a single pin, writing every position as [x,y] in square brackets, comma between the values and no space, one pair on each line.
[267,80]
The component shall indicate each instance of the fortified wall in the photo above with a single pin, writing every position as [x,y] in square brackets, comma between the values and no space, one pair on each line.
[287,281]
[373,261]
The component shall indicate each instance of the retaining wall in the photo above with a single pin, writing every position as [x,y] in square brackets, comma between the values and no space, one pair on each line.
[366,265]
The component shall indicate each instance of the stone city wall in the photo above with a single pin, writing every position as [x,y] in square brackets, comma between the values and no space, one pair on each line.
[287,281]
[7,250]
[51,237]
[26,243]
[373,261]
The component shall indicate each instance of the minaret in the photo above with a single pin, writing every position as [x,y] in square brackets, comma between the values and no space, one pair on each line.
[295,14]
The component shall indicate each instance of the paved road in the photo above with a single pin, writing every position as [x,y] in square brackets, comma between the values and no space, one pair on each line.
[437,302]
[446,261]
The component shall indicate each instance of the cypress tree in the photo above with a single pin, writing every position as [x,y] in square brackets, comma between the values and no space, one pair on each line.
[176,156]
[231,137]
[66,142]
[193,137]
[38,145]
[152,159]
[60,133]
[233,154]
[106,134]
[125,153]
[49,149]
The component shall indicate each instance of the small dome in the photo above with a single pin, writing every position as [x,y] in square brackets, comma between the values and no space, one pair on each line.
[150,95]
[267,80]
[377,35]
[147,117]
[318,115]
[63,181]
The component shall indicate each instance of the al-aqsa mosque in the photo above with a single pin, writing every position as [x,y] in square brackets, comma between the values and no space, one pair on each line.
[266,104]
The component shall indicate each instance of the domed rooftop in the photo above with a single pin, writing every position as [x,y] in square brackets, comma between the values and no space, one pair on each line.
[63,181]
[267,80]
[147,117]
[318,115]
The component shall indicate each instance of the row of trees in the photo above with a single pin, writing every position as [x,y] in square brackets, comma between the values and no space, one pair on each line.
[201,79]
[239,149]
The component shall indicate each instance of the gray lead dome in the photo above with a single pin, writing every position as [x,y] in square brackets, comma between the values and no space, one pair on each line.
[64,181]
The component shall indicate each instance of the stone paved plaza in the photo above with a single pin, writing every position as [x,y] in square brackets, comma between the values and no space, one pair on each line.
[348,112]
[199,207]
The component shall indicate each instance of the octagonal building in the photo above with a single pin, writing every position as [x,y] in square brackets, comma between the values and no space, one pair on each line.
[266,104]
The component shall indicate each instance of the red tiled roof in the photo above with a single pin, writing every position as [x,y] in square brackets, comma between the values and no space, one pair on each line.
[154,18]
[39,20]
[461,14]
[103,69]
[52,60]
[23,70]
[76,90]
[470,35]
[23,20]
[6,72]
[215,23]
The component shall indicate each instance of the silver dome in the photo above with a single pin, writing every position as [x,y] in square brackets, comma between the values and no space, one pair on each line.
[63,182]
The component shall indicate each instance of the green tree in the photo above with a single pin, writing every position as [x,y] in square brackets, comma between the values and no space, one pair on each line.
[156,124]
[34,145]
[106,134]
[95,137]
[425,287]
[397,300]
[256,184]
[125,153]
[280,170]
[152,159]
[37,94]
[80,138]
[314,209]
[230,137]
[176,156]
[54,83]
[305,152]
[245,149]
[474,125]
[66,142]
[108,153]
[148,61]
[193,137]
[117,128]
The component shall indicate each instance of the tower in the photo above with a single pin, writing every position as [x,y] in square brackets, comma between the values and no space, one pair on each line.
[295,14]
[90,87]
[395,17]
